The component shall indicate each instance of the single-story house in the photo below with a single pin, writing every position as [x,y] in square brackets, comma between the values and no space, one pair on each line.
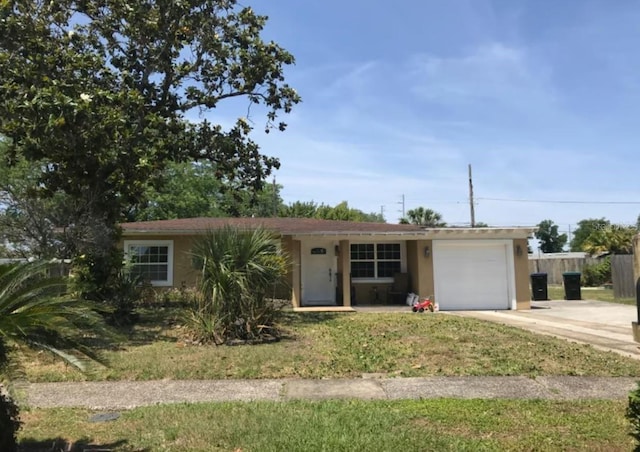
[338,264]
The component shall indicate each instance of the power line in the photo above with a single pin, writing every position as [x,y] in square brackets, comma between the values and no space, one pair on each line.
[557,202]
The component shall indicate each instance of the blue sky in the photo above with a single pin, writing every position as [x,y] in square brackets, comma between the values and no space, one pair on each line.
[541,97]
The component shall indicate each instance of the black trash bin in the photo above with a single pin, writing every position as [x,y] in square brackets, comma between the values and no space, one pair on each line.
[572,286]
[539,287]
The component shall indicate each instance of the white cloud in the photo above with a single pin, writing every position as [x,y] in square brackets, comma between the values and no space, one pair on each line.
[490,73]
[351,80]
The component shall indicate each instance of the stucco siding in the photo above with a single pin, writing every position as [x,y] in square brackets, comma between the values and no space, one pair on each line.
[521,268]
[420,267]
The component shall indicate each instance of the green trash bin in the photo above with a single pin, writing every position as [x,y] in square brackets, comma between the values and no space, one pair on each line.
[539,287]
[572,286]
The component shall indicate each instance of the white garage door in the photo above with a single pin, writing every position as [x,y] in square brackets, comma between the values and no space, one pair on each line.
[473,274]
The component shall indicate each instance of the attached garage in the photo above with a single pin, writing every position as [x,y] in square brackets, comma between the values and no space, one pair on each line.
[474,274]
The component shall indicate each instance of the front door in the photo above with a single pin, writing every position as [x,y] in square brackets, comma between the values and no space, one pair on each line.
[318,273]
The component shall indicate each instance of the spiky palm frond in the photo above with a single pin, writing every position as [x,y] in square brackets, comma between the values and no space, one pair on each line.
[35,312]
[238,269]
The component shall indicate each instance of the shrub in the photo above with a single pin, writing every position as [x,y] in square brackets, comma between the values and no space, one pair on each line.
[9,423]
[95,274]
[597,274]
[126,292]
[633,415]
[238,271]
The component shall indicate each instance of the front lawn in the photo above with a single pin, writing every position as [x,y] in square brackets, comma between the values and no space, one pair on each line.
[590,293]
[347,345]
[441,424]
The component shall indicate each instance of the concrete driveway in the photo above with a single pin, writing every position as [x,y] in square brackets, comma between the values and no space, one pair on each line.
[606,326]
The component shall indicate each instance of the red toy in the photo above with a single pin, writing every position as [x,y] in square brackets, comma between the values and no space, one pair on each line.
[425,303]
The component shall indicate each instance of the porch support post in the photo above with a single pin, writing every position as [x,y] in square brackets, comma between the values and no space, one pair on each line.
[296,273]
[345,264]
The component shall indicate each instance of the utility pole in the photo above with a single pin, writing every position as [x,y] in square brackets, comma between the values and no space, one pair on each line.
[402,202]
[473,213]
[382,212]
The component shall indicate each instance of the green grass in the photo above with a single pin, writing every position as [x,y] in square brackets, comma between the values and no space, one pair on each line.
[348,345]
[590,293]
[441,424]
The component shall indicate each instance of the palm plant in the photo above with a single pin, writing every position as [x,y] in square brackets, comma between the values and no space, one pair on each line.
[239,269]
[613,239]
[35,313]
[420,216]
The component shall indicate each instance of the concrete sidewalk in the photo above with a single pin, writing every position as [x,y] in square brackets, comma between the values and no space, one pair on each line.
[111,395]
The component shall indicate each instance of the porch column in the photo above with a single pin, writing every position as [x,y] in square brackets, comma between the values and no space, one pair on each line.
[345,264]
[295,273]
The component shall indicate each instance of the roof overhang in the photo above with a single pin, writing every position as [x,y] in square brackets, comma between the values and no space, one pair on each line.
[431,234]
[426,234]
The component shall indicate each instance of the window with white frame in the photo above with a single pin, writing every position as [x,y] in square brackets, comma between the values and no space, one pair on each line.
[375,260]
[152,260]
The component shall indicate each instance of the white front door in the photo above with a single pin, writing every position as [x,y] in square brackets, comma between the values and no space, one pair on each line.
[318,273]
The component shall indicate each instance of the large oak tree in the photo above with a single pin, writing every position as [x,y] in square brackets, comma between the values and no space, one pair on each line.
[97,94]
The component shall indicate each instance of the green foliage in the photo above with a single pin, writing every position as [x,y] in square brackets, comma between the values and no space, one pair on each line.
[341,211]
[175,297]
[427,424]
[427,218]
[551,241]
[112,82]
[612,239]
[96,272]
[238,271]
[595,275]
[584,230]
[190,190]
[35,312]
[27,223]
[9,423]
[95,95]
[633,415]
[126,297]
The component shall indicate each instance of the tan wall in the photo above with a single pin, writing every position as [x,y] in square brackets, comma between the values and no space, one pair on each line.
[420,267]
[521,265]
[185,275]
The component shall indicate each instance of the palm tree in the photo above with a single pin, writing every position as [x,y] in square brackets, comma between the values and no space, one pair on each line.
[239,269]
[427,218]
[612,239]
[35,313]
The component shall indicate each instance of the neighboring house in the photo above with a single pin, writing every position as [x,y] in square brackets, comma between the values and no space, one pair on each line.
[337,264]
